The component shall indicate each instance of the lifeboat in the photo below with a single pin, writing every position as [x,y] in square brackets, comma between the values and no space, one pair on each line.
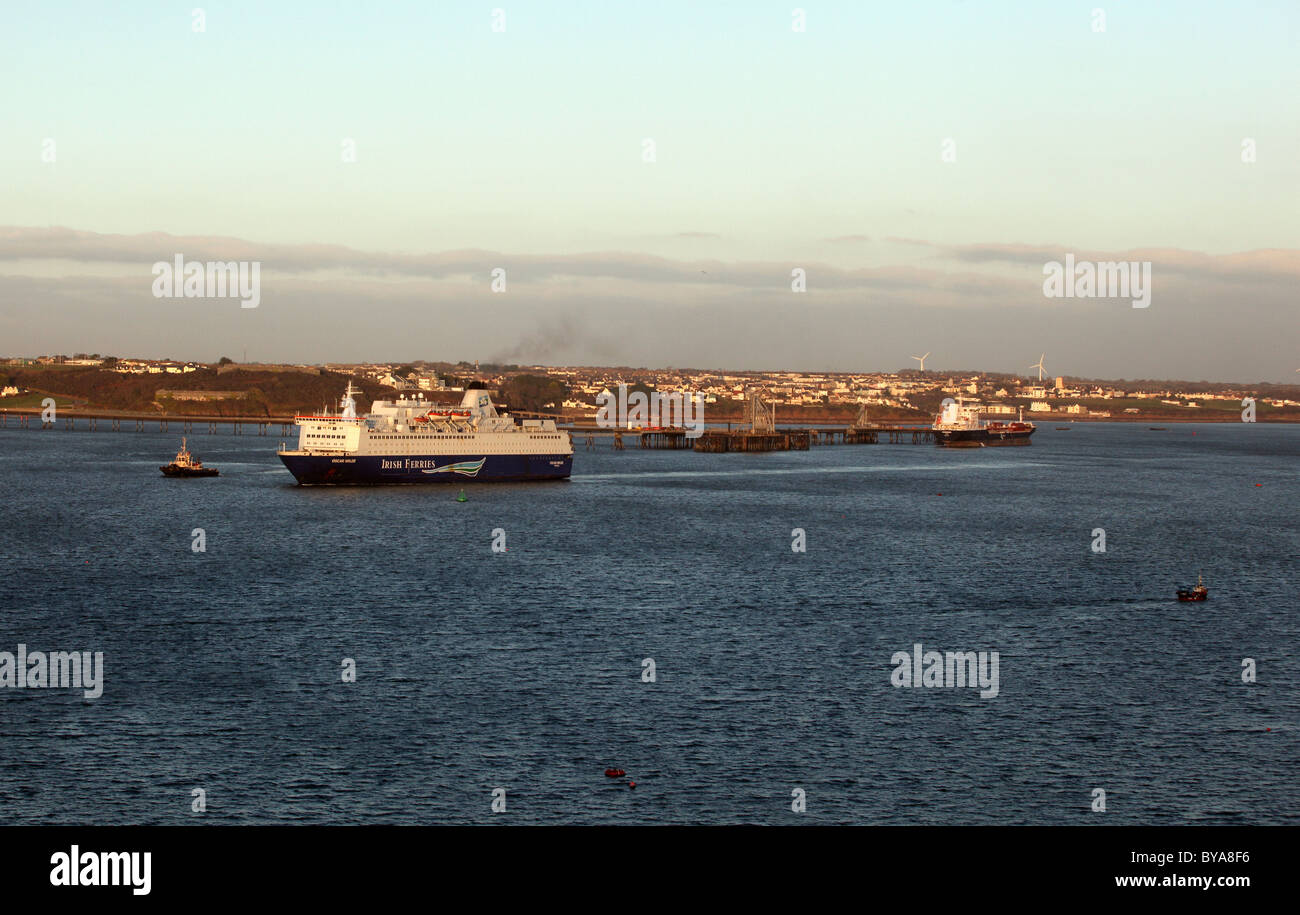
[614,773]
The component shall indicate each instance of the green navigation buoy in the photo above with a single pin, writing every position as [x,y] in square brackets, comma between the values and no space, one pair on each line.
[461,497]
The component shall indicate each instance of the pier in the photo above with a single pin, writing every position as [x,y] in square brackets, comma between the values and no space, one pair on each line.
[759,432]
[670,439]
[719,442]
[143,422]
[871,435]
[764,435]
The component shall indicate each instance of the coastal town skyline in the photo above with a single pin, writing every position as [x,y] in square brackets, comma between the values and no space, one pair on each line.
[87,382]
[168,364]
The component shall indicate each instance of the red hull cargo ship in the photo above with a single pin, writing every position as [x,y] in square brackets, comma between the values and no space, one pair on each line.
[959,425]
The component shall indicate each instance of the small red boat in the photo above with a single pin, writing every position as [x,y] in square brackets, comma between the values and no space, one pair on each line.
[614,773]
[1200,592]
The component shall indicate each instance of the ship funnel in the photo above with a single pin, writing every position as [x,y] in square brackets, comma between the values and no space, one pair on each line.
[479,403]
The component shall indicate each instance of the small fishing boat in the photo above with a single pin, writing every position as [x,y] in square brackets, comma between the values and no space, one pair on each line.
[187,465]
[1200,592]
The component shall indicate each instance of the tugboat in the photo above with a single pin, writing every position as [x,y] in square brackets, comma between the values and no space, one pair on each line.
[187,465]
[1200,592]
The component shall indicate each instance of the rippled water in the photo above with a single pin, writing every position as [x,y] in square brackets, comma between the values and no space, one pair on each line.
[523,670]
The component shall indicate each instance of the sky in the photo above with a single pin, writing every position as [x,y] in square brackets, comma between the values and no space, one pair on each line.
[920,163]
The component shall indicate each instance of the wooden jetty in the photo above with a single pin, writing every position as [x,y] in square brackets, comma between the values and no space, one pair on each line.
[671,439]
[865,432]
[761,435]
[142,422]
[717,442]
[872,435]
[764,435]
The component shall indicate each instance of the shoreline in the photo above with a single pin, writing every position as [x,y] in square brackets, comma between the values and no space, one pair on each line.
[587,423]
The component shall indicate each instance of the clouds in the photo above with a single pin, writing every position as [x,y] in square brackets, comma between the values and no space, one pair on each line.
[1261,266]
[24,243]
[612,267]
[1229,317]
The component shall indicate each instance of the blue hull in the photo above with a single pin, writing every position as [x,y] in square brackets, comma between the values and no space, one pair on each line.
[377,470]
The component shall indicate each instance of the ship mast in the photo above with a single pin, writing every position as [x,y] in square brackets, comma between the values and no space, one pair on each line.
[348,403]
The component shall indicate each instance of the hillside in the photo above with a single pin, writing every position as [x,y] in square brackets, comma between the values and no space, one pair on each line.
[256,393]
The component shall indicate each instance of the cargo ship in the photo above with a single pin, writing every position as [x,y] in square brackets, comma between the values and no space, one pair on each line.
[959,425]
[411,440]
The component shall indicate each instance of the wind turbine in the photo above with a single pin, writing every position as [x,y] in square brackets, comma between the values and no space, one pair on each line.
[1039,365]
[921,359]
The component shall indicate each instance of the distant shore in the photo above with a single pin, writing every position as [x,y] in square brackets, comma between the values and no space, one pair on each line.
[587,423]
[785,418]
[275,394]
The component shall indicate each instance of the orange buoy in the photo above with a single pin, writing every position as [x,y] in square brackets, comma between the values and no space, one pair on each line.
[631,784]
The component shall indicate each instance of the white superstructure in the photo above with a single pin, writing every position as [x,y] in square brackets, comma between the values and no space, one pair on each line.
[960,414]
[413,425]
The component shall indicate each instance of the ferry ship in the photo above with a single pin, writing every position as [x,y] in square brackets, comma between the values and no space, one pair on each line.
[959,426]
[410,440]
